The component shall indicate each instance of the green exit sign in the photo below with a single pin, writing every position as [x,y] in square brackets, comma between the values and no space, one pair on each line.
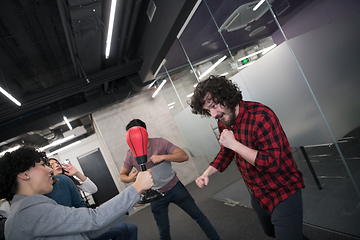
[245,61]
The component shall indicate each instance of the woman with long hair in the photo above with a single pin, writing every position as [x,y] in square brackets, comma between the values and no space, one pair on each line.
[69,170]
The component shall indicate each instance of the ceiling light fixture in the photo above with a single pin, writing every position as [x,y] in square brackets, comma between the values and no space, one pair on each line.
[171,107]
[261,51]
[224,74]
[159,88]
[160,66]
[152,84]
[190,95]
[10,97]
[244,66]
[67,123]
[110,29]
[213,66]
[266,50]
[10,150]
[258,5]
[62,149]
[189,18]
[57,142]
[170,104]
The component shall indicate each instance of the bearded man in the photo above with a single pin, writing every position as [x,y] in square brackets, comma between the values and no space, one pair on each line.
[252,133]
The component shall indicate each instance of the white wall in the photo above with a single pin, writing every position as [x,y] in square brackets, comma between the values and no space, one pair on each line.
[329,61]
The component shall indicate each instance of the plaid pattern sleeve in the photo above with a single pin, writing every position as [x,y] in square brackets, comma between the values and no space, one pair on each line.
[224,157]
[275,176]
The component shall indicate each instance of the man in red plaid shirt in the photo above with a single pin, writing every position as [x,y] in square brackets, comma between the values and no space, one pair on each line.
[252,133]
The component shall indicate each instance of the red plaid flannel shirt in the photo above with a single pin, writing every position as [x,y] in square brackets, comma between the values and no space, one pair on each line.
[275,176]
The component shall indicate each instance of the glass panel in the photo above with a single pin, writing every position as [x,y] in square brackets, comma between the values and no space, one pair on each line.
[310,81]
[323,38]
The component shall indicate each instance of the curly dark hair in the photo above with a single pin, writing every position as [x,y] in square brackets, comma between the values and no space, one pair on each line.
[11,164]
[135,122]
[221,91]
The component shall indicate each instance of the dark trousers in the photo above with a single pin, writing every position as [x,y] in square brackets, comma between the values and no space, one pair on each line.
[286,221]
[122,231]
[181,197]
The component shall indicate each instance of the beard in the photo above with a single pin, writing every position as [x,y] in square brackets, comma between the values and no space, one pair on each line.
[231,119]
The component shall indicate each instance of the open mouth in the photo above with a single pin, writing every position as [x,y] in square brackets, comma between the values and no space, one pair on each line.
[220,116]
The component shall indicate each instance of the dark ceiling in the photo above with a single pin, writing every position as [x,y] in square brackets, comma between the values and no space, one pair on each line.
[52,55]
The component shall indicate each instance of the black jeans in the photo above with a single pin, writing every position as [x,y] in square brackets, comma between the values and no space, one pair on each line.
[180,196]
[286,221]
[122,231]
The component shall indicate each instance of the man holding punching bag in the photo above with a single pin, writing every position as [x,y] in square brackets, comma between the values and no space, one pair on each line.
[160,154]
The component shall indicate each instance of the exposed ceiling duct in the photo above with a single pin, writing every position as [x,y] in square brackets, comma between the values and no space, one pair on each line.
[53,55]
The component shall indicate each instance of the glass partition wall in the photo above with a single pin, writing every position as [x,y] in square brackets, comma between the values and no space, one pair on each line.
[306,71]
[330,160]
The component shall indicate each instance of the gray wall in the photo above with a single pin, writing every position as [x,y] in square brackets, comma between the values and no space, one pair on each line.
[110,129]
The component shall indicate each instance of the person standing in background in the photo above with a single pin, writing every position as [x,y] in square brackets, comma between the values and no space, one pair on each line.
[160,154]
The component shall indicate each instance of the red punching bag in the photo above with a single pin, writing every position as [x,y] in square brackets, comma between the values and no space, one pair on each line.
[137,139]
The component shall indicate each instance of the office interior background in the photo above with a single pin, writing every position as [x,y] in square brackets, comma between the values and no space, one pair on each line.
[297,57]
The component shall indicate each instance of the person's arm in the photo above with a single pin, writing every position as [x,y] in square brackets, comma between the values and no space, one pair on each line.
[272,144]
[178,155]
[125,177]
[76,199]
[270,141]
[72,171]
[88,186]
[72,221]
[203,180]
[228,140]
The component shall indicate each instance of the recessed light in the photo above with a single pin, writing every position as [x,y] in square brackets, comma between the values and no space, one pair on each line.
[205,43]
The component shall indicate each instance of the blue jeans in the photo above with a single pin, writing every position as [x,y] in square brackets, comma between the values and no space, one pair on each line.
[286,221]
[181,197]
[122,231]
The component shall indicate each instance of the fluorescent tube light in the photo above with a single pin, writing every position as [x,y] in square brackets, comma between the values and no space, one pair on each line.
[10,150]
[170,104]
[151,84]
[188,18]
[62,149]
[250,55]
[110,29]
[160,66]
[57,142]
[159,88]
[246,65]
[171,107]
[190,95]
[261,51]
[266,50]
[10,97]
[224,74]
[213,66]
[67,123]
[258,5]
